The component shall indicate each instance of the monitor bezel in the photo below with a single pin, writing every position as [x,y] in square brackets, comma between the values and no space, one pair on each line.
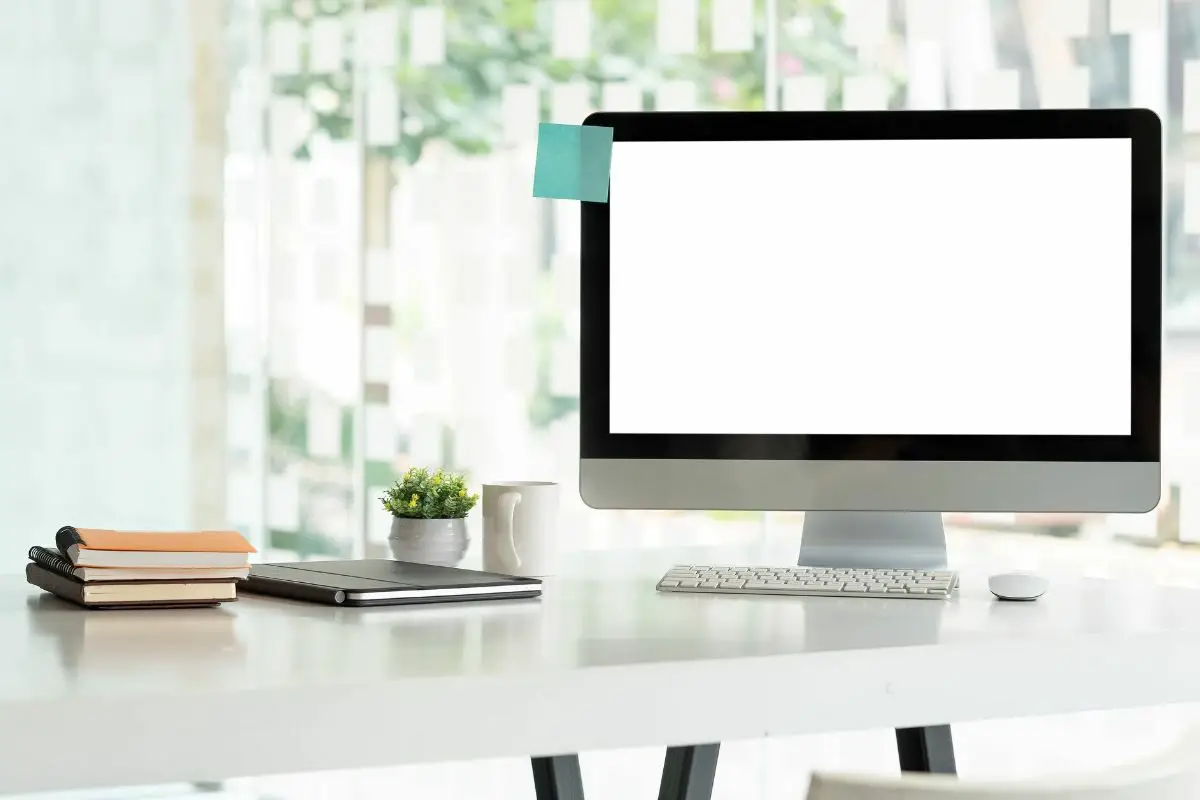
[1142,127]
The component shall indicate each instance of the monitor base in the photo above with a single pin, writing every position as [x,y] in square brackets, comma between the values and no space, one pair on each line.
[873,540]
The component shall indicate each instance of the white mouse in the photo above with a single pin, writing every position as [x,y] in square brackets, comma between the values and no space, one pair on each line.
[1017,586]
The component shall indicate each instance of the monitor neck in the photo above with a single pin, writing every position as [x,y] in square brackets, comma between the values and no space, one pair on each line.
[874,540]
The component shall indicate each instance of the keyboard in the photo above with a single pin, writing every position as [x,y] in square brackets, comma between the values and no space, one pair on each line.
[914,584]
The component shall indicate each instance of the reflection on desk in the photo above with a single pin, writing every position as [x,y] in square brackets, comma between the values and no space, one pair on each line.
[190,642]
[601,661]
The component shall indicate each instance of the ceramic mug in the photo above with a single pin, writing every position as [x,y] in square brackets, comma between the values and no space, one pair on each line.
[520,528]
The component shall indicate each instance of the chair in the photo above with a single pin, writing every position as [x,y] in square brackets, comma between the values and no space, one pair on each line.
[1174,775]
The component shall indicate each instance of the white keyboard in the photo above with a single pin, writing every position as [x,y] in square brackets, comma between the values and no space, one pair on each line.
[806,581]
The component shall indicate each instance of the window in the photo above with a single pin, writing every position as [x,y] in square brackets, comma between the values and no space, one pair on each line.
[372,285]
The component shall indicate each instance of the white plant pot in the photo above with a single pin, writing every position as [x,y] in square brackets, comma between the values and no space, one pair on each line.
[441,542]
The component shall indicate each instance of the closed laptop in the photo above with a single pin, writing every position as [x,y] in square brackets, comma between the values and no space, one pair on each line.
[376,582]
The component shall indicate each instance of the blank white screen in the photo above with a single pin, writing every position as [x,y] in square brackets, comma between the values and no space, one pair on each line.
[871,287]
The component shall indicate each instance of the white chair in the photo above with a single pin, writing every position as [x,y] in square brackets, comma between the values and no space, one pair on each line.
[1174,775]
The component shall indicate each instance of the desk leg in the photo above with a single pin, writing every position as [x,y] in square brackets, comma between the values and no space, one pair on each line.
[929,749]
[557,778]
[688,772]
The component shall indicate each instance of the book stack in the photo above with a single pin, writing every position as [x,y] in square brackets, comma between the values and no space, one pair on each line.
[124,569]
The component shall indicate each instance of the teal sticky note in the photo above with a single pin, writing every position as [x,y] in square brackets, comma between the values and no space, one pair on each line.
[573,162]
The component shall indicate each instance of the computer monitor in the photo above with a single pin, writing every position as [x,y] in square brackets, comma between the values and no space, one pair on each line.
[874,317]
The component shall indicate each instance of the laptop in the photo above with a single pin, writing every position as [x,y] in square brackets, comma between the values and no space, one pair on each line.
[382,582]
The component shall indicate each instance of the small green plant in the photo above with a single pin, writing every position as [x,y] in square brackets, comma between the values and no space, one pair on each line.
[421,494]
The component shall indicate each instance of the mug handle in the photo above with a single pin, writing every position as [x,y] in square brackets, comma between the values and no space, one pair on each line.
[507,544]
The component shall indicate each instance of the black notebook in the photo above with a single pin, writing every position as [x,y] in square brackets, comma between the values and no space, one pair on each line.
[381,582]
[51,559]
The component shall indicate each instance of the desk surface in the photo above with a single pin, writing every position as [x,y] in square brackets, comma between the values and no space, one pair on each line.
[267,686]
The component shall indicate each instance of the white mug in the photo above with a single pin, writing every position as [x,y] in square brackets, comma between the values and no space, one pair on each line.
[520,528]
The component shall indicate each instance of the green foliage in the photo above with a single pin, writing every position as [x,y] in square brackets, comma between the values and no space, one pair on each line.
[286,419]
[421,494]
[494,43]
[308,543]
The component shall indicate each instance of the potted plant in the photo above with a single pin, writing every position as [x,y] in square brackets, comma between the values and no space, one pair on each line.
[429,516]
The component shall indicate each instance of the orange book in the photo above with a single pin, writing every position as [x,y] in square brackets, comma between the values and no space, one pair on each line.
[93,547]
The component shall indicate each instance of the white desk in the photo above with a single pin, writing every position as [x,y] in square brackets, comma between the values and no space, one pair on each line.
[603,661]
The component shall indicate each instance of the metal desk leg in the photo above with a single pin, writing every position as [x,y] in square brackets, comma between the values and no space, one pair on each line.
[929,749]
[688,772]
[557,778]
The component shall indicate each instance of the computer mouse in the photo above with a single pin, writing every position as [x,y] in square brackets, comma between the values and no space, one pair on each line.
[1017,586]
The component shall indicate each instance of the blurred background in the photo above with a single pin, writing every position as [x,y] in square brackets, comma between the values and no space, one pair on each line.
[260,256]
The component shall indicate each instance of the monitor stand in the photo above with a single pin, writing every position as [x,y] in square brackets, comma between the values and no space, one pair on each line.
[873,540]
